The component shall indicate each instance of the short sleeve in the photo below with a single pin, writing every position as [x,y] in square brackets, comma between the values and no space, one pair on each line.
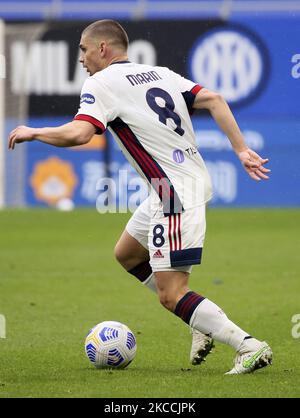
[93,106]
[188,89]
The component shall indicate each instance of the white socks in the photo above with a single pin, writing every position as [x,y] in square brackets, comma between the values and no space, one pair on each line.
[208,318]
[150,283]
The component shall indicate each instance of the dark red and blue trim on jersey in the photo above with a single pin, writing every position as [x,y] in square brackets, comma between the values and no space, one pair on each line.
[154,173]
[87,118]
[189,97]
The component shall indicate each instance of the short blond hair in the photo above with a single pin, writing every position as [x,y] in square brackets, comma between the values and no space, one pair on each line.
[109,29]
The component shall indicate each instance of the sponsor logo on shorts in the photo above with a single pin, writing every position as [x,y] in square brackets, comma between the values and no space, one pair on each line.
[158,254]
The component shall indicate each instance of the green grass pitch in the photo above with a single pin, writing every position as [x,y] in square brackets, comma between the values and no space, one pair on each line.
[58,278]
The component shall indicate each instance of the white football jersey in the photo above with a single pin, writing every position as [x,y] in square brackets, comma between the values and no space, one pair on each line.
[147,109]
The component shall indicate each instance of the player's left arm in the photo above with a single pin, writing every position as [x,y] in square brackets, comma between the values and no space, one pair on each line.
[74,133]
[220,111]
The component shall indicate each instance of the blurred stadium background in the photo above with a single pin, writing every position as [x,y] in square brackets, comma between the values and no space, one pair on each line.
[57,275]
[247,50]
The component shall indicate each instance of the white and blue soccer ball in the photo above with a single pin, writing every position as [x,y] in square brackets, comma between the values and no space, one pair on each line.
[110,344]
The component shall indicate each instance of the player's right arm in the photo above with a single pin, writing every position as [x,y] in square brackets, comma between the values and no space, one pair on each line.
[74,133]
[91,118]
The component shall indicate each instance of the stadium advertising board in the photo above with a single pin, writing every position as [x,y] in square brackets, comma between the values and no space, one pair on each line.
[254,64]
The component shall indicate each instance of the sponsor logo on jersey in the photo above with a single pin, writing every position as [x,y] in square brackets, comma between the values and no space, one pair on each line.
[191,151]
[232,61]
[87,98]
[178,156]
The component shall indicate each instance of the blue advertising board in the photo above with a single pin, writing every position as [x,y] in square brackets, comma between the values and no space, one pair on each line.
[82,175]
[53,174]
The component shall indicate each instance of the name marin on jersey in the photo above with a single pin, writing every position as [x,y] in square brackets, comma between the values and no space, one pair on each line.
[134,80]
[141,78]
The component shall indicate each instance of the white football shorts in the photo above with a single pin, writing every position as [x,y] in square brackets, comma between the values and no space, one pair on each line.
[174,242]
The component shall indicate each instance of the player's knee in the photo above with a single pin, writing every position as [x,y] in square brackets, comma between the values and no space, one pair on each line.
[127,260]
[167,300]
[120,254]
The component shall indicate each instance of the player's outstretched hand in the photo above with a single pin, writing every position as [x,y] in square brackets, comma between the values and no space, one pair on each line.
[20,134]
[254,164]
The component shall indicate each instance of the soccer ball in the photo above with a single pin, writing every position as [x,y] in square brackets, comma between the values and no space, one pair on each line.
[65,205]
[110,344]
